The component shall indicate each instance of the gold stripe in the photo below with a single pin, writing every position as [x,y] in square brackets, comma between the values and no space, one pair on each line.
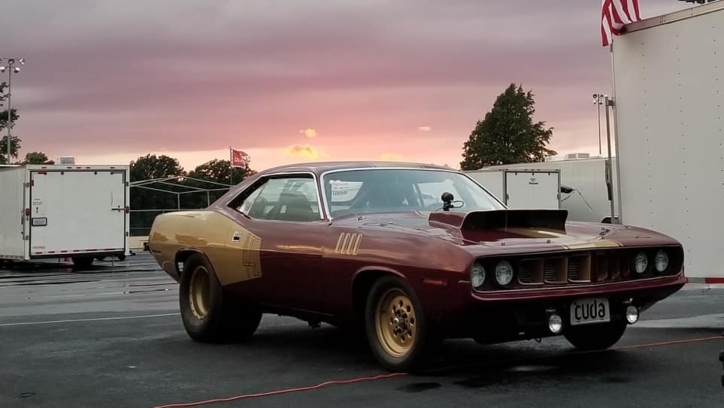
[348,243]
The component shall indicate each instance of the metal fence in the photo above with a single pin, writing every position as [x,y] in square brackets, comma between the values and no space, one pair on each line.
[176,188]
[142,220]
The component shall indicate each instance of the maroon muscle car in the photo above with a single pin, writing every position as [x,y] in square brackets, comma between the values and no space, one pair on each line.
[411,254]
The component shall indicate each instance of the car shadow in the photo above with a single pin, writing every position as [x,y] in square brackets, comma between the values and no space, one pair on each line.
[467,362]
[60,266]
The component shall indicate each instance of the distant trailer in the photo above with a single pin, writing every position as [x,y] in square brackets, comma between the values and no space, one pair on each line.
[59,211]
[584,187]
[521,188]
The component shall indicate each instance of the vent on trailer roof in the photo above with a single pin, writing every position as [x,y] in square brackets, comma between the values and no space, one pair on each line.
[569,156]
[572,156]
[65,160]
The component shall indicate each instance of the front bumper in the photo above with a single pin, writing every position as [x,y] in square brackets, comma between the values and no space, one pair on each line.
[525,314]
[576,290]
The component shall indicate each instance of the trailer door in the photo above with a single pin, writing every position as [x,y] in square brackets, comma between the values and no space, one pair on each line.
[77,211]
[532,189]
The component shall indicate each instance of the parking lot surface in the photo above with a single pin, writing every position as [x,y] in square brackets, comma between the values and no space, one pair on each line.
[111,336]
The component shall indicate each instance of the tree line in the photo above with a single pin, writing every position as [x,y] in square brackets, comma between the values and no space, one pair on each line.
[507,134]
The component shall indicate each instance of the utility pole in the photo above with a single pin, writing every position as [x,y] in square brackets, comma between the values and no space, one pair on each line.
[12,68]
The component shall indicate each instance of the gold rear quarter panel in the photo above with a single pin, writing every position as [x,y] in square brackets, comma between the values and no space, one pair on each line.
[232,250]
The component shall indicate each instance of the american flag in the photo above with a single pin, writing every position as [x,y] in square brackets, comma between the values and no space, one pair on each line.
[614,14]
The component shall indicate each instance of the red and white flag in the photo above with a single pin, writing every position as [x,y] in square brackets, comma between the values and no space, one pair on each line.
[614,15]
[238,158]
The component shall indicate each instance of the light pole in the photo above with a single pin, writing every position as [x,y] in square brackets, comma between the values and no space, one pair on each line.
[606,101]
[12,68]
[598,101]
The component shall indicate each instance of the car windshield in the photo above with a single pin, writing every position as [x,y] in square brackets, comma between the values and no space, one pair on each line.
[387,190]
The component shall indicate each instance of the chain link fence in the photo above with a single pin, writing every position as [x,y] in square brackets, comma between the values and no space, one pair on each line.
[150,198]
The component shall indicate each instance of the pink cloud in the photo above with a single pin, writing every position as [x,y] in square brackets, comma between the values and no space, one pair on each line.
[305,151]
[130,79]
[309,132]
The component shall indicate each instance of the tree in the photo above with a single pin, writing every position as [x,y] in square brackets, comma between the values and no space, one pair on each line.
[507,134]
[151,166]
[14,147]
[219,171]
[216,171]
[147,200]
[37,158]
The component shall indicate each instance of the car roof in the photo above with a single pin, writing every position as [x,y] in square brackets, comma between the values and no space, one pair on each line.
[321,167]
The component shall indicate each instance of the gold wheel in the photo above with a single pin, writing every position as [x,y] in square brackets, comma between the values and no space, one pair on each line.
[200,292]
[396,322]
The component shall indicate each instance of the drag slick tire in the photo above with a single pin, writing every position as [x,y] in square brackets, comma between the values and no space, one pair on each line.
[209,314]
[598,336]
[395,325]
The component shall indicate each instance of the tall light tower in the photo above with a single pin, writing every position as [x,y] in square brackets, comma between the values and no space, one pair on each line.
[12,68]
[598,101]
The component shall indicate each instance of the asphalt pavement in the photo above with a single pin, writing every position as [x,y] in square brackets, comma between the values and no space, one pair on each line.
[111,336]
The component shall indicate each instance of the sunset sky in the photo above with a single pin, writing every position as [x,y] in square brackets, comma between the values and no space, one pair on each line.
[296,80]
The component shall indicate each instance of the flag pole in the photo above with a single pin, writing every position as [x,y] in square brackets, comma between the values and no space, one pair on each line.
[231,166]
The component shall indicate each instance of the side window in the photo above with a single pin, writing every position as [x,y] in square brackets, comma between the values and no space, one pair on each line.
[291,198]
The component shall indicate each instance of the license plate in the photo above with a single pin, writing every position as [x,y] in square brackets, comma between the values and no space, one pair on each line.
[592,310]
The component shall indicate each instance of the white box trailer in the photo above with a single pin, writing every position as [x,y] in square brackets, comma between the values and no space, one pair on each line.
[58,211]
[521,188]
[585,188]
[668,96]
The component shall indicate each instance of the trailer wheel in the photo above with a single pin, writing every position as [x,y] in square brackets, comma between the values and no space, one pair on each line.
[209,314]
[82,261]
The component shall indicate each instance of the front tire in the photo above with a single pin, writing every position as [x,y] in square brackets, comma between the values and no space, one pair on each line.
[395,323]
[596,336]
[209,315]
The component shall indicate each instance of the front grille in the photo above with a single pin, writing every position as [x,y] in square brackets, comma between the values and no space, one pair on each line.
[583,267]
[553,270]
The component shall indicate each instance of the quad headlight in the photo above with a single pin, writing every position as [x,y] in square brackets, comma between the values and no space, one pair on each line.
[503,273]
[477,275]
[661,261]
[641,263]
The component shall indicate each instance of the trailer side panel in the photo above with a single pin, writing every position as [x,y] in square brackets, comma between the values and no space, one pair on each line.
[669,95]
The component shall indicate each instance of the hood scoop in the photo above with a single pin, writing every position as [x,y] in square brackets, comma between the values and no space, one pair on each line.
[501,219]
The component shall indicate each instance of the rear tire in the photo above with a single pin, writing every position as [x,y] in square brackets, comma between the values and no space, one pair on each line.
[596,336]
[395,324]
[209,314]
